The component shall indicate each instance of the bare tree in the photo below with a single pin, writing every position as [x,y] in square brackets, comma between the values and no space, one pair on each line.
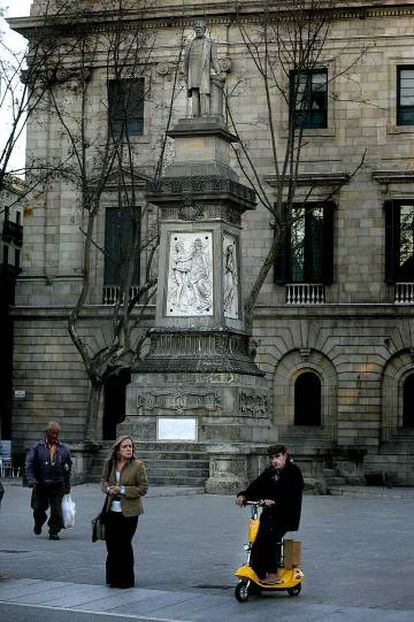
[286,50]
[22,90]
[98,163]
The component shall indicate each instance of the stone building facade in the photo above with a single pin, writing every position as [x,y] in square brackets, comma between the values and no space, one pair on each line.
[336,344]
[11,219]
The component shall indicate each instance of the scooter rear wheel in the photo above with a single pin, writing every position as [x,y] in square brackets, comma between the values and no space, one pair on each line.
[294,591]
[241,591]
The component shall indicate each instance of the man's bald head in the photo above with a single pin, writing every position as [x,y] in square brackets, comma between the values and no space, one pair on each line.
[52,431]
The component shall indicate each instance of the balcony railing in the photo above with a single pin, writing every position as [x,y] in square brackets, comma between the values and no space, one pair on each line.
[404,293]
[305,293]
[111,294]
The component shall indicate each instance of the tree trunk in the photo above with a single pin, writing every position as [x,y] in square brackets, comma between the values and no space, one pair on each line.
[93,426]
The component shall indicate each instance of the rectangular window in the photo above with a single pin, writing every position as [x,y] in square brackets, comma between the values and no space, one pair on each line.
[405,95]
[122,229]
[399,241]
[309,98]
[126,107]
[306,252]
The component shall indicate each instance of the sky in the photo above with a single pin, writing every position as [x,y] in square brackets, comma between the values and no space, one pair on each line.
[13,8]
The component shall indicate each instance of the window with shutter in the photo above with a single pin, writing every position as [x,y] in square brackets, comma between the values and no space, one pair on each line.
[399,241]
[122,228]
[126,107]
[306,252]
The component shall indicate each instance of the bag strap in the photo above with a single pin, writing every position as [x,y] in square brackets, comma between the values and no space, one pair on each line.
[108,472]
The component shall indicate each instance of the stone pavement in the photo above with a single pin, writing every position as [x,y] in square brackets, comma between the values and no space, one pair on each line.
[358,555]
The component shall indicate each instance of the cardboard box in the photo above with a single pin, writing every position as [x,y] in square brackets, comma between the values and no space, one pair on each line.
[291,553]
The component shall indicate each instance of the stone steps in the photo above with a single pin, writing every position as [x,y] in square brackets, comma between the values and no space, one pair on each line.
[333,478]
[166,463]
[147,457]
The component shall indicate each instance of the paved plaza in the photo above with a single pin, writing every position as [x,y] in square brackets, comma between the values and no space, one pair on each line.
[358,556]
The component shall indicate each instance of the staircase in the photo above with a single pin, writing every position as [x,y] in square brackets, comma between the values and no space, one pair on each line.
[172,464]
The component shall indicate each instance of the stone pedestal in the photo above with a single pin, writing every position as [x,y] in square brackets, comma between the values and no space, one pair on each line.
[83,458]
[228,470]
[210,407]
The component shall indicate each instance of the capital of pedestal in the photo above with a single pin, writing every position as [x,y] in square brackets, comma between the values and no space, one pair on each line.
[198,350]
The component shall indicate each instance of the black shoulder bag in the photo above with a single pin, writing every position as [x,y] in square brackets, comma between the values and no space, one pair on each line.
[98,524]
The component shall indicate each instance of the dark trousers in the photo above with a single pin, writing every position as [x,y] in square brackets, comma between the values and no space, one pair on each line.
[265,555]
[44,496]
[119,531]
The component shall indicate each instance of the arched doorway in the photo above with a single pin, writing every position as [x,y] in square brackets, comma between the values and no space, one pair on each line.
[308,399]
[408,402]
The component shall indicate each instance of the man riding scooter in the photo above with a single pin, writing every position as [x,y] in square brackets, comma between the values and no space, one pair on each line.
[280,486]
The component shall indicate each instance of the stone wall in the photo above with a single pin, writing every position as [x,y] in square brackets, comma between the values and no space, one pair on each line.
[48,368]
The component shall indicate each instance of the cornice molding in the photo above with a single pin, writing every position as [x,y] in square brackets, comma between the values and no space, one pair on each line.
[393,177]
[179,15]
[314,179]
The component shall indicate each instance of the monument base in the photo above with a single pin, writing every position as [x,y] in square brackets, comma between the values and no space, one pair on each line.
[198,407]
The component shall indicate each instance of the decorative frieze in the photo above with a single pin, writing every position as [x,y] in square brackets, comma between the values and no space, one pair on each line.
[169,189]
[180,401]
[189,210]
[198,350]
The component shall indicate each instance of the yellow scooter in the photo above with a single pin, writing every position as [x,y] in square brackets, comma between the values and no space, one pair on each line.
[289,574]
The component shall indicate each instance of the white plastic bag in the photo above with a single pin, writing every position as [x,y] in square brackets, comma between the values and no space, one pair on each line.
[68,512]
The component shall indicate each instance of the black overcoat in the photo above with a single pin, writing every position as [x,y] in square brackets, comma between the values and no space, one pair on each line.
[285,488]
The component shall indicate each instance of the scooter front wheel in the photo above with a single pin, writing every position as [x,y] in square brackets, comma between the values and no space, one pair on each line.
[294,591]
[241,591]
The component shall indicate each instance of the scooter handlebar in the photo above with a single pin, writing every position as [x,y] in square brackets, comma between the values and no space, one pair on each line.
[257,504]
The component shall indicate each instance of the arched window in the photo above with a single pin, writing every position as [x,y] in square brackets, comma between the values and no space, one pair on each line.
[408,402]
[308,399]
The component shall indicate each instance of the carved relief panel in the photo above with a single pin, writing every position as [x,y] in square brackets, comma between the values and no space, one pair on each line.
[230,277]
[190,274]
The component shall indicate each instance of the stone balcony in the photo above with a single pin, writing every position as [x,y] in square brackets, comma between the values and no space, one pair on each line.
[404,293]
[111,294]
[305,293]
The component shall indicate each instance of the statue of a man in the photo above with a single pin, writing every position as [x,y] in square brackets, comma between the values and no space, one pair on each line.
[200,55]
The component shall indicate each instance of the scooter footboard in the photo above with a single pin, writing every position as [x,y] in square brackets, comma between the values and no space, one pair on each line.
[289,577]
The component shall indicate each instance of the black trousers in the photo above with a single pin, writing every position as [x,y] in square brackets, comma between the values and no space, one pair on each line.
[265,555]
[44,496]
[119,531]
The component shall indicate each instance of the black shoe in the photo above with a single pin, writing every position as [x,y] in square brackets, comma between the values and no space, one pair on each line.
[37,529]
[53,536]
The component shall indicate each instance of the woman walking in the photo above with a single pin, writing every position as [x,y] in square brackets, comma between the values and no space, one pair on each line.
[124,481]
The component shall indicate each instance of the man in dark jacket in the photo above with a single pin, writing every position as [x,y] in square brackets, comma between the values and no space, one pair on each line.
[280,486]
[48,469]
